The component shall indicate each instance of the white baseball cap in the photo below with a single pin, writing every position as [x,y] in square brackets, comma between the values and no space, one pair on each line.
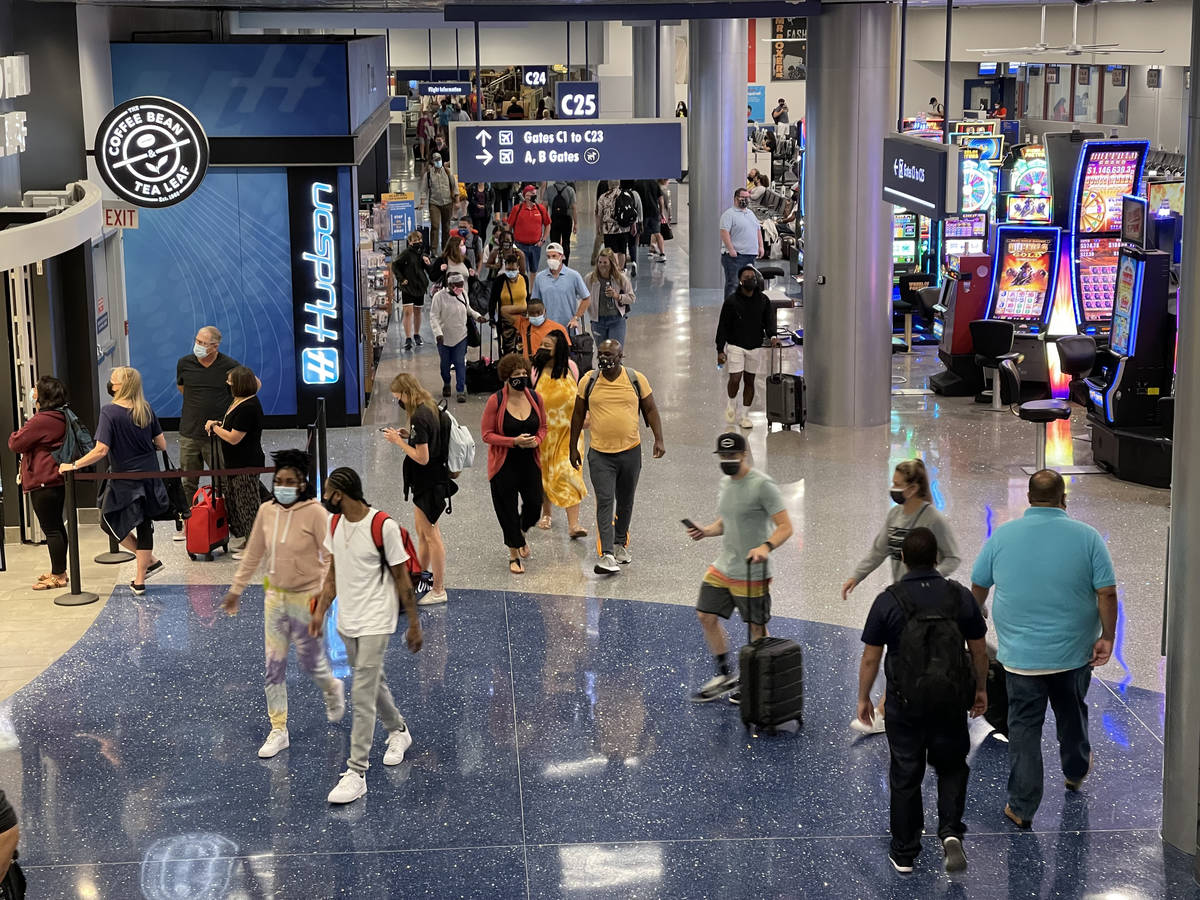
[554,247]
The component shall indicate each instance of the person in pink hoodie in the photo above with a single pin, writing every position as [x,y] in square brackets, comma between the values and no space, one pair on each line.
[288,539]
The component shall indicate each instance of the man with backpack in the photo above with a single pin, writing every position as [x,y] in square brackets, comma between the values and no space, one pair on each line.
[560,198]
[531,226]
[928,624]
[439,191]
[369,576]
[617,210]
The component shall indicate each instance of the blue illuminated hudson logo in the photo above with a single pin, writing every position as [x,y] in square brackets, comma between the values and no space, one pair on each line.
[320,365]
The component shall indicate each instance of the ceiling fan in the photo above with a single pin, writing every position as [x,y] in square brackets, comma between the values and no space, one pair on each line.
[1072,49]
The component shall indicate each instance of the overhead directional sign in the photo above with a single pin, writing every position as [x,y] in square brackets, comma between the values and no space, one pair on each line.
[917,175]
[535,76]
[567,151]
[577,99]
[443,88]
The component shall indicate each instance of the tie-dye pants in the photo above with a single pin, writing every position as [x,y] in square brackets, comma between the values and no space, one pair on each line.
[286,617]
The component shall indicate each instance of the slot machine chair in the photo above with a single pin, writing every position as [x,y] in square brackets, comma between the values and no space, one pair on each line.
[1040,412]
[1076,357]
[993,340]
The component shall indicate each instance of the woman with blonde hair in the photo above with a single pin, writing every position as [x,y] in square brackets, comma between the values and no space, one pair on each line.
[911,496]
[426,475]
[555,377]
[614,293]
[128,434]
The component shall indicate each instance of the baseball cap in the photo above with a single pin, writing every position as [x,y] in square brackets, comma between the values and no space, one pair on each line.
[455,278]
[554,247]
[437,156]
[731,442]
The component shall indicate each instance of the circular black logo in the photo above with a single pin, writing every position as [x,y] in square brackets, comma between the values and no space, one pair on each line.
[151,151]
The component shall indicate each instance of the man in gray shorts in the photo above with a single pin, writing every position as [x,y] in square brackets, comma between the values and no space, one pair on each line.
[753,521]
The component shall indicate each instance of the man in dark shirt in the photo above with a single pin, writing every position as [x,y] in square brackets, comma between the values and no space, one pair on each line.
[202,378]
[942,738]
[9,835]
[746,324]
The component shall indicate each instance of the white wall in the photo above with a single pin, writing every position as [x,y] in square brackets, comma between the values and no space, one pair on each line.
[615,73]
[791,91]
[95,75]
[534,43]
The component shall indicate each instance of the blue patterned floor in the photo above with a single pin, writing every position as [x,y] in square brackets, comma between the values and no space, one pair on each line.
[555,755]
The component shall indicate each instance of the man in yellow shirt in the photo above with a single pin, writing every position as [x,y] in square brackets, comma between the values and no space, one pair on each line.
[614,395]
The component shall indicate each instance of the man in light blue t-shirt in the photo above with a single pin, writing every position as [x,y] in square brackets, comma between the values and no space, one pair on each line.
[561,290]
[741,238]
[1055,612]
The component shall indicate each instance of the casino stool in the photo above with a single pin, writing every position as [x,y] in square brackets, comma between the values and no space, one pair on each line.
[1076,357]
[927,299]
[777,303]
[993,340]
[1040,412]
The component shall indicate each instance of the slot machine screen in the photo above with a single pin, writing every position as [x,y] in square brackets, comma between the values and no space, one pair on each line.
[1030,173]
[978,183]
[1133,220]
[904,226]
[990,147]
[1028,209]
[1108,175]
[1023,278]
[904,253]
[955,246]
[1097,277]
[1162,193]
[1125,295]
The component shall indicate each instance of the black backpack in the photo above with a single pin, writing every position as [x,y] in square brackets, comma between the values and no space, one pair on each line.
[559,205]
[77,440]
[930,670]
[625,209]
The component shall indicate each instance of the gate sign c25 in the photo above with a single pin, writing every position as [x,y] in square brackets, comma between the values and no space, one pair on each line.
[577,99]
[151,151]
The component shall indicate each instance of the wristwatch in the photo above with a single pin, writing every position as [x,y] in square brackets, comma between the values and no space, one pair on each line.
[770,546]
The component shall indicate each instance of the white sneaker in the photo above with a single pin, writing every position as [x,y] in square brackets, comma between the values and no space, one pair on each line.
[350,788]
[746,422]
[623,556]
[238,543]
[876,726]
[730,415]
[607,565]
[335,703]
[179,536]
[276,741]
[397,743]
[237,554]
[433,598]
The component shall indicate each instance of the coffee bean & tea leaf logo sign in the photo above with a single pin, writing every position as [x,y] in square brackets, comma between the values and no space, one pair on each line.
[151,151]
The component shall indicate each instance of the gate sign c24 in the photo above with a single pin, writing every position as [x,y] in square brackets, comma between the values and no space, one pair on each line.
[151,151]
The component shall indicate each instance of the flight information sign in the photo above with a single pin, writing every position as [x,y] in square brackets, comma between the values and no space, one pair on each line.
[567,151]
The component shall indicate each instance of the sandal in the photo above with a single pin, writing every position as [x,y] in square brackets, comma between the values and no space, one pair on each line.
[544,523]
[50,582]
[525,552]
[516,567]
[578,533]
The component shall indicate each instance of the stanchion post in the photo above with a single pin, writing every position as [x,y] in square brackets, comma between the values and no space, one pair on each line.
[77,597]
[114,555]
[322,446]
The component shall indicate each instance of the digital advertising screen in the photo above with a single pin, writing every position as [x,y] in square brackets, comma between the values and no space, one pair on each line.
[1097,277]
[1165,193]
[1023,276]
[1108,174]
[990,147]
[1027,209]
[1133,220]
[1125,294]
[904,253]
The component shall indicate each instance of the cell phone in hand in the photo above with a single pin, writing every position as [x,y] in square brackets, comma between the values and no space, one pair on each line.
[690,525]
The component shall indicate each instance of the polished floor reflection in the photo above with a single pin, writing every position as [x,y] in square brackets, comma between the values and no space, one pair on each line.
[555,755]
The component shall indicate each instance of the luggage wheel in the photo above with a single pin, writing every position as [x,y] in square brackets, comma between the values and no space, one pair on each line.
[192,557]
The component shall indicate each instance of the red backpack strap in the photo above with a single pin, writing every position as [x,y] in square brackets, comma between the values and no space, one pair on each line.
[377,536]
[333,523]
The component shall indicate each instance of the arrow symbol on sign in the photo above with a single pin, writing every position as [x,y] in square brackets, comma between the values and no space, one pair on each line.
[483,137]
[486,156]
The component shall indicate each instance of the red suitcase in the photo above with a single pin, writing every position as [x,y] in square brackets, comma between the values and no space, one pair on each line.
[208,527]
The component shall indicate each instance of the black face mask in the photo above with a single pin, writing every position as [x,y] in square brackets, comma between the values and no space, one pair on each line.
[112,391]
[731,466]
[542,358]
[333,506]
[897,496]
[607,363]
[747,287]
[518,383]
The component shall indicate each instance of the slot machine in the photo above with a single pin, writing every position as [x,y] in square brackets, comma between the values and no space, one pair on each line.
[964,235]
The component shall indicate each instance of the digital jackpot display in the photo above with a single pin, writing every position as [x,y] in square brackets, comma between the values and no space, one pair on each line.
[1124,297]
[1023,276]
[1030,174]
[990,147]
[1020,208]
[1107,176]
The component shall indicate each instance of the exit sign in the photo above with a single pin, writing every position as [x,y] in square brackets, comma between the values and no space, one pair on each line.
[120,217]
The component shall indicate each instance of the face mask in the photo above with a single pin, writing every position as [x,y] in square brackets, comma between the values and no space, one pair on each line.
[731,466]
[333,506]
[542,358]
[747,287]
[416,245]
[286,494]
[112,391]
[518,383]
[529,199]
[743,202]
[537,320]
[897,496]
[200,350]
[511,274]
[607,363]
[462,232]
[437,163]
[554,264]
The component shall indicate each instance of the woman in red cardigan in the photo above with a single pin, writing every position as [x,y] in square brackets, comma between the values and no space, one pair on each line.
[513,427]
[35,441]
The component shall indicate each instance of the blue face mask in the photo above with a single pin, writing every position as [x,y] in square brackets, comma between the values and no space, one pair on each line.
[511,274]
[537,320]
[200,350]
[437,163]
[286,495]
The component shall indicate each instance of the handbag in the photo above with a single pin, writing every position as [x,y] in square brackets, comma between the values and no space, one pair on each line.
[180,507]
[473,339]
[666,232]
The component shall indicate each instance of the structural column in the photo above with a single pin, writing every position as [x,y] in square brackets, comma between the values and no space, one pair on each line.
[716,134]
[848,275]
[645,77]
[1181,753]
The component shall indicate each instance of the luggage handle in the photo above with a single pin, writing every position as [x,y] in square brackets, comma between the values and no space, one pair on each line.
[213,449]
[776,369]
[749,578]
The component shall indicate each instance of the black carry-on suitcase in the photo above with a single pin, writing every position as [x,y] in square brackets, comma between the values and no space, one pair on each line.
[771,675]
[787,403]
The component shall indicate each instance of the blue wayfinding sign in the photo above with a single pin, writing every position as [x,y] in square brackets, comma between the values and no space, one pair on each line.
[398,104]
[577,99]
[443,88]
[567,151]
[403,217]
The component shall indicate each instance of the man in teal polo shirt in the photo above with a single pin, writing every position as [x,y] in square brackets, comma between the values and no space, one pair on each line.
[1055,613]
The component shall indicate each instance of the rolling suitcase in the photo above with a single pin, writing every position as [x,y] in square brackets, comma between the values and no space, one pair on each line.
[207,528]
[583,346]
[997,694]
[771,675]
[787,402]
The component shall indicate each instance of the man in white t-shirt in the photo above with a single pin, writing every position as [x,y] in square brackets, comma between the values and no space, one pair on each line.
[368,611]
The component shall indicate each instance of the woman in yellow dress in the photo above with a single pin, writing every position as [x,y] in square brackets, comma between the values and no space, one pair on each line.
[556,378]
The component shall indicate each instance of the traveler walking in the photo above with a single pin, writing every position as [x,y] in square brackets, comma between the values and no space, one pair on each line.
[616,211]
[479,207]
[128,435]
[410,274]
[741,238]
[923,620]
[911,496]
[514,427]
[561,290]
[41,481]
[746,324]
[1055,612]
[556,379]
[614,395]
[240,433]
[614,296]
[509,298]
[655,209]
[450,315]
[288,539]
[560,200]
[203,378]
[531,226]
[426,476]
[532,330]
[752,522]
[368,611]
[439,192]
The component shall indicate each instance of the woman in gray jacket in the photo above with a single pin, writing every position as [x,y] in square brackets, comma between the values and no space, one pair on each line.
[910,493]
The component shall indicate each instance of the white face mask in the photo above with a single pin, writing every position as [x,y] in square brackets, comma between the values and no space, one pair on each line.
[554,264]
[200,350]
[437,163]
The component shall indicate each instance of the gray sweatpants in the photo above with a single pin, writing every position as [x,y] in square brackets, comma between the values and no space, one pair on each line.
[615,479]
[369,694]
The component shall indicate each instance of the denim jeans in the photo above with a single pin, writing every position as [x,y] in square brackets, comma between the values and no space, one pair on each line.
[1027,696]
[730,265]
[454,356]
[533,258]
[606,327]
